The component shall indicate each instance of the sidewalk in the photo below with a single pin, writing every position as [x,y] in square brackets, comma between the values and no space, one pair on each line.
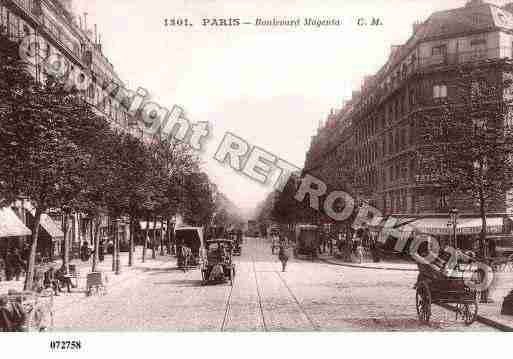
[113,280]
[396,265]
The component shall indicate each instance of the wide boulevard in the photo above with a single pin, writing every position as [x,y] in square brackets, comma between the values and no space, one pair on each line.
[309,296]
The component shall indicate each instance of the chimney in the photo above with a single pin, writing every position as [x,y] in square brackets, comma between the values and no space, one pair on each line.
[508,7]
[471,3]
[393,49]
[85,21]
[416,27]
[67,4]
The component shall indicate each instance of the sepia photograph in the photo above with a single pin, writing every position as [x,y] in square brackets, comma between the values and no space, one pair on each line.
[234,166]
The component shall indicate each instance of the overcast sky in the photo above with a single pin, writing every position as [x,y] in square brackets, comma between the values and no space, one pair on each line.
[268,85]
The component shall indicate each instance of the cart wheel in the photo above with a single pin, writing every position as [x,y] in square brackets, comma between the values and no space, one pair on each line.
[423,302]
[470,312]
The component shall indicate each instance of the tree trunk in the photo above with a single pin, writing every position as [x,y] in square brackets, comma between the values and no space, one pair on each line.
[96,241]
[168,237]
[131,242]
[162,237]
[118,249]
[65,250]
[482,236]
[114,242]
[145,241]
[29,279]
[154,241]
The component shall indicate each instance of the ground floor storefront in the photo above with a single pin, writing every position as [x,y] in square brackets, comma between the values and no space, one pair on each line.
[463,232]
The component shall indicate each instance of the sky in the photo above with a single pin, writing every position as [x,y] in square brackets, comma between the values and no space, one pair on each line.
[270,86]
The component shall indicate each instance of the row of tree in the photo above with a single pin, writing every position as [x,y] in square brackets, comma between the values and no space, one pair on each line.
[58,153]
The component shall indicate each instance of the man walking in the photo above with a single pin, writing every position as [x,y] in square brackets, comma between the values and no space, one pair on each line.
[283,257]
[15,264]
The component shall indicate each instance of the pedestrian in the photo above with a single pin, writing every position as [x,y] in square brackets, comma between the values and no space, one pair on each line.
[15,264]
[62,277]
[101,251]
[283,257]
[2,268]
[50,281]
[85,252]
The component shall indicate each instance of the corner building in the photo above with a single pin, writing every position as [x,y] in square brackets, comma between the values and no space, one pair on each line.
[378,127]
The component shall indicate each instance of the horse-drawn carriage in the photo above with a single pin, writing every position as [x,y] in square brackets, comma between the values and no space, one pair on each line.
[216,264]
[437,285]
[236,239]
[307,241]
[189,241]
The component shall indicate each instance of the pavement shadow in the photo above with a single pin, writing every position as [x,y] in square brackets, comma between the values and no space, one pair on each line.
[155,271]
[182,283]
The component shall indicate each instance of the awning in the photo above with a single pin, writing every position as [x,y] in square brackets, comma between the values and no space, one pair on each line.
[151,226]
[443,226]
[11,225]
[47,223]
[375,221]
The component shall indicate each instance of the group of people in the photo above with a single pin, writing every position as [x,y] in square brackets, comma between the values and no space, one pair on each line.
[86,251]
[13,264]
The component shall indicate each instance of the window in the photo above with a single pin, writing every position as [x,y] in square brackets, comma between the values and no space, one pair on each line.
[440,50]
[478,88]
[413,97]
[443,201]
[439,91]
[13,26]
[478,42]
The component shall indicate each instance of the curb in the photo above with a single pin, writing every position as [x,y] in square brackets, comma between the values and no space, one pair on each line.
[483,320]
[368,267]
[480,319]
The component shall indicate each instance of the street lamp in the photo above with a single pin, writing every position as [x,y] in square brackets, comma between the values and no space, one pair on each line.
[453,214]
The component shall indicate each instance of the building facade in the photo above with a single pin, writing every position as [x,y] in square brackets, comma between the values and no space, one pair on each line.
[68,36]
[378,129]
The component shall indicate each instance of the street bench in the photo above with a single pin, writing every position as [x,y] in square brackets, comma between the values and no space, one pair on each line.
[96,284]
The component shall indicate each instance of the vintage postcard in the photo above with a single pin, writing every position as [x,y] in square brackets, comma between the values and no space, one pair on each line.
[255,166]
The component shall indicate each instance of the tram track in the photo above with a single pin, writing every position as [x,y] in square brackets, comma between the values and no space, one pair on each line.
[301,309]
[260,304]
[227,310]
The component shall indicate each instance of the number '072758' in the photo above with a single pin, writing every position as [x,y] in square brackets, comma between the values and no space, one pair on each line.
[65,345]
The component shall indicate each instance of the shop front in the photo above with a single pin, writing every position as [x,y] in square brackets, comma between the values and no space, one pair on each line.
[464,233]
[50,237]
[12,231]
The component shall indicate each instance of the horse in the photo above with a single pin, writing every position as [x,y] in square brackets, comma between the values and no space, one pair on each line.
[186,256]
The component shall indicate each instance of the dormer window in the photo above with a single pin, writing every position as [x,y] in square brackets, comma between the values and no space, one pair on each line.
[440,50]
[439,91]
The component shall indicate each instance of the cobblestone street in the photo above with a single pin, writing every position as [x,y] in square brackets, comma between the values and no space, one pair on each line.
[309,296]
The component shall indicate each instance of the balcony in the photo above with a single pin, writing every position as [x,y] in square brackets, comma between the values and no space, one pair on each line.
[463,57]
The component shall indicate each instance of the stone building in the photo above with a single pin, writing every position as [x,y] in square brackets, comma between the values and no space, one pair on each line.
[68,36]
[378,127]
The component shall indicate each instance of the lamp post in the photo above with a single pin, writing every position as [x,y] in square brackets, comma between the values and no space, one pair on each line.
[453,214]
